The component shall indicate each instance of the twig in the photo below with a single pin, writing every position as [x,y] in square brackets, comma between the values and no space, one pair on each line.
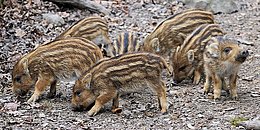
[241,41]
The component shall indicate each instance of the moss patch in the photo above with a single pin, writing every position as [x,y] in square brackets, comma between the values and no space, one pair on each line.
[237,120]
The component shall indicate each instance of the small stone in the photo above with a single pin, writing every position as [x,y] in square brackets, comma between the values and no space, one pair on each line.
[3,101]
[127,113]
[53,18]
[41,115]
[248,78]
[142,108]
[167,119]
[20,33]
[257,55]
[174,92]
[204,128]
[190,126]
[149,114]
[137,5]
[255,95]
[13,122]
[14,113]
[230,109]
[45,124]
[200,115]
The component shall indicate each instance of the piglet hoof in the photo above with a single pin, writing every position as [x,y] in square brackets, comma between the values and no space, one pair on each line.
[33,98]
[206,92]
[51,95]
[92,113]
[163,112]
[235,98]
[116,110]
[196,82]
[227,91]
[216,99]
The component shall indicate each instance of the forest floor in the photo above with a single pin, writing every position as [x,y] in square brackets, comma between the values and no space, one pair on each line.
[23,28]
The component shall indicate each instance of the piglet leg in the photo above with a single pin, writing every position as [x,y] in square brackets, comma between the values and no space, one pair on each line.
[40,86]
[103,98]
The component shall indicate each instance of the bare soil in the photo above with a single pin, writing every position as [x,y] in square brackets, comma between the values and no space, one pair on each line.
[23,28]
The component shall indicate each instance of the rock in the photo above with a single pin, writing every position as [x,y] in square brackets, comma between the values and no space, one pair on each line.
[250,125]
[53,18]
[216,6]
[137,5]
[223,6]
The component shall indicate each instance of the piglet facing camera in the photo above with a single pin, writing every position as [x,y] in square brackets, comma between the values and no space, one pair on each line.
[222,58]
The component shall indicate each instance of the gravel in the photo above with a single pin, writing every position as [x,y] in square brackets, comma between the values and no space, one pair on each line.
[22,29]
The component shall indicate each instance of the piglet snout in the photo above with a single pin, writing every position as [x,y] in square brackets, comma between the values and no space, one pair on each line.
[242,56]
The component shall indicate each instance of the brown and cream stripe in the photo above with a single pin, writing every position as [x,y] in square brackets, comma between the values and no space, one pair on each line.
[65,55]
[126,42]
[92,28]
[88,28]
[125,65]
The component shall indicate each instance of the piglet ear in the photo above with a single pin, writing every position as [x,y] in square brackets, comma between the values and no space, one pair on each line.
[156,44]
[212,40]
[24,63]
[190,56]
[86,80]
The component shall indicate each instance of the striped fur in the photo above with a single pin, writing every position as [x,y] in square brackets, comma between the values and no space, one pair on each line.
[172,32]
[127,72]
[58,60]
[188,57]
[92,28]
[125,43]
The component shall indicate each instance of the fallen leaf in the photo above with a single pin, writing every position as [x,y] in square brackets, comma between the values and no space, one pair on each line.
[11,106]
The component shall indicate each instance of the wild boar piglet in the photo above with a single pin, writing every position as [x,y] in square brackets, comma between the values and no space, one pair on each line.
[187,60]
[107,79]
[172,32]
[93,28]
[64,59]
[222,58]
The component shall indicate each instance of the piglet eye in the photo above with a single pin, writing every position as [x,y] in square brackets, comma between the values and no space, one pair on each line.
[77,93]
[182,68]
[227,50]
[18,79]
